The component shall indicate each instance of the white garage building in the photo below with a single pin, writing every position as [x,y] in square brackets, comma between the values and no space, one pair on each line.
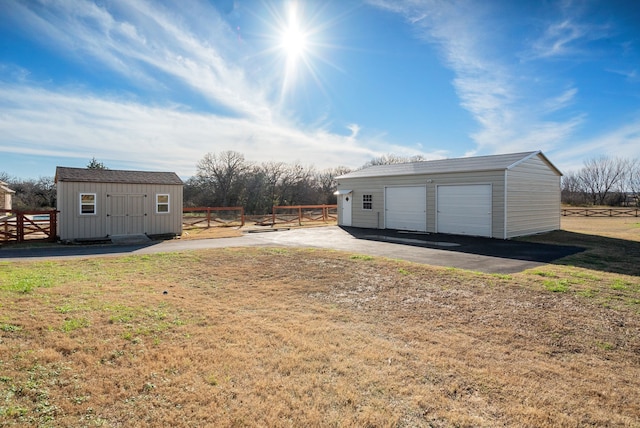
[500,196]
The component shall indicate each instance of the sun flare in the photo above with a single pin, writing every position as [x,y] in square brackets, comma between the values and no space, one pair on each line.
[298,43]
[293,38]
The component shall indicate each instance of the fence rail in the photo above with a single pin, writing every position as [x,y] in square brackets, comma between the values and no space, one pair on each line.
[20,226]
[283,214]
[601,212]
[202,217]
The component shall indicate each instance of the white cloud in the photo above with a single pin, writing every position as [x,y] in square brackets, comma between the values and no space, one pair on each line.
[355,130]
[150,41]
[566,37]
[511,116]
[631,75]
[42,122]
[623,142]
[155,49]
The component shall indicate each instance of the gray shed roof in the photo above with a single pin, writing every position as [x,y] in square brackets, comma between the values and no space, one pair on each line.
[115,176]
[470,164]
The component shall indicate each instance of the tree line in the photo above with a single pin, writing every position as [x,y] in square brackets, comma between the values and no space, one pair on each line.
[227,179]
[603,181]
[222,179]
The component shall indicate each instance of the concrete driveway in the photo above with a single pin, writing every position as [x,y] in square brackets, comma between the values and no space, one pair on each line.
[479,254]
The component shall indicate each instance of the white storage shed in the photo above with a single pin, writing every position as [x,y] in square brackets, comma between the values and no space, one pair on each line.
[101,203]
[499,196]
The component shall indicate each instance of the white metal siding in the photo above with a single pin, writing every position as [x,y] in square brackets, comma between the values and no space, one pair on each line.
[533,199]
[375,185]
[465,209]
[372,218]
[406,208]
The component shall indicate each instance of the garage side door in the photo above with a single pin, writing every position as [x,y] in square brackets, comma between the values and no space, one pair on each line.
[464,209]
[406,208]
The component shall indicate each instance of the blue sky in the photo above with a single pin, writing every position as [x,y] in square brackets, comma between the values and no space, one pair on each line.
[156,85]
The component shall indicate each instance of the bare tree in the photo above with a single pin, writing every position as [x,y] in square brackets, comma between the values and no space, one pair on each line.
[224,174]
[327,185]
[603,176]
[295,185]
[633,181]
[34,194]
[391,158]
[573,192]
[274,175]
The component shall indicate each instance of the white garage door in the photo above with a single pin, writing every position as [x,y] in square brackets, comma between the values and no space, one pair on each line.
[464,209]
[406,208]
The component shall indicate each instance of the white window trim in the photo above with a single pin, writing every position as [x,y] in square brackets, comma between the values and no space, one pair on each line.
[370,201]
[168,203]
[95,203]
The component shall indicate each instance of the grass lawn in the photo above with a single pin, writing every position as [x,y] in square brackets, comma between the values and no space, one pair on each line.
[289,337]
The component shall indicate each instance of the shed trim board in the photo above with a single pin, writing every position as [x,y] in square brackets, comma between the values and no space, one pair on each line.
[506,209]
[405,208]
[464,209]
[524,194]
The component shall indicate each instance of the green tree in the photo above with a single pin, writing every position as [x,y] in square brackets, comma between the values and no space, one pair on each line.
[94,164]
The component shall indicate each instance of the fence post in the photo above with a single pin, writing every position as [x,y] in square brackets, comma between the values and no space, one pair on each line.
[208,217]
[53,225]
[20,226]
[242,216]
[273,216]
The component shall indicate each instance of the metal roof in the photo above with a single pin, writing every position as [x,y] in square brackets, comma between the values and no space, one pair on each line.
[115,176]
[470,164]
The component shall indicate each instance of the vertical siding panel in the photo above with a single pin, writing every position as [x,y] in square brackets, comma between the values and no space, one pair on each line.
[72,225]
[533,198]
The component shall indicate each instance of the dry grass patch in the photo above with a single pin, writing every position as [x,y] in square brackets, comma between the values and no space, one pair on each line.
[283,337]
[627,228]
[210,233]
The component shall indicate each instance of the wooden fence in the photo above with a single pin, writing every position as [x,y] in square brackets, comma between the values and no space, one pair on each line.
[283,214]
[19,226]
[601,212]
[216,216]
[27,225]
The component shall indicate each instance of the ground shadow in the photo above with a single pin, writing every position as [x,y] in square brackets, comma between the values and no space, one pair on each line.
[601,253]
[61,251]
[559,247]
[511,249]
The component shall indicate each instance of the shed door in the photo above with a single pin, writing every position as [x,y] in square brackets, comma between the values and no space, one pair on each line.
[464,209]
[406,208]
[125,214]
[136,214]
[117,214]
